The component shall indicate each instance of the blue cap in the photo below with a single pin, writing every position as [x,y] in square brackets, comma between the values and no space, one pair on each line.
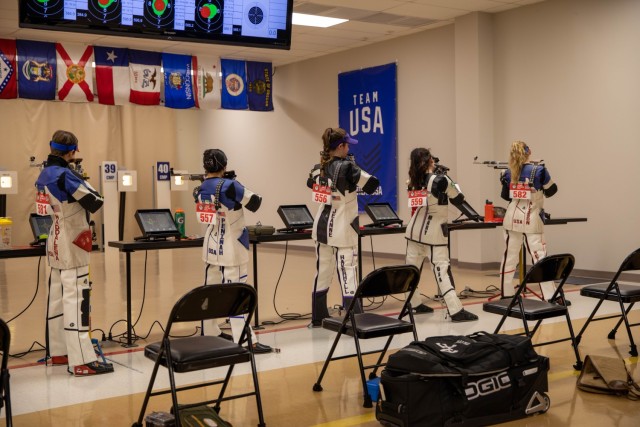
[347,138]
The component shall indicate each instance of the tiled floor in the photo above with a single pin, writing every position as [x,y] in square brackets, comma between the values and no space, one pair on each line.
[49,396]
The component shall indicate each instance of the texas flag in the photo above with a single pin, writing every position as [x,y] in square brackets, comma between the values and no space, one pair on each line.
[206,82]
[112,75]
[145,77]
[37,69]
[75,74]
[8,73]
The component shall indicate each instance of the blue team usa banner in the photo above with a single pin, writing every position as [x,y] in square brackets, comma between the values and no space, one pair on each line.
[367,111]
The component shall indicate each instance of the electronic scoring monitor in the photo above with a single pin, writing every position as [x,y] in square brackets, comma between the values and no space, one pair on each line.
[156,224]
[256,23]
[382,214]
[295,217]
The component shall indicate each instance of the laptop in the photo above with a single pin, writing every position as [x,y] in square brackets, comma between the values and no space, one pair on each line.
[382,215]
[40,226]
[156,224]
[296,218]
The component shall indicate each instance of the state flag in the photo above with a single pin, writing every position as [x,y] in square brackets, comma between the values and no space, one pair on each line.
[259,86]
[75,73]
[37,69]
[8,72]
[234,86]
[144,77]
[178,81]
[112,75]
[206,82]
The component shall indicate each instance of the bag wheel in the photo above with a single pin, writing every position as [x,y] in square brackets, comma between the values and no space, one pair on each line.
[538,404]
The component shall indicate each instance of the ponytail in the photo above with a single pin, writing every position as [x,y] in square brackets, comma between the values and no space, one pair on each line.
[518,156]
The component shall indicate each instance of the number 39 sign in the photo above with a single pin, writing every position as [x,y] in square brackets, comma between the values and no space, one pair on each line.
[109,171]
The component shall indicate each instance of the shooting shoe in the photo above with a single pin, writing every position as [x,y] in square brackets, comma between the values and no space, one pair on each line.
[93,368]
[261,348]
[59,360]
[463,316]
[560,301]
[422,308]
[225,336]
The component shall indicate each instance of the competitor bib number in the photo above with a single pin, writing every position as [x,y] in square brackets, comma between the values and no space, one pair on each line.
[205,213]
[43,204]
[520,191]
[417,198]
[321,194]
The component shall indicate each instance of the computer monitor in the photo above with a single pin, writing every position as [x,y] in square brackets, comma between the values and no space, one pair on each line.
[156,224]
[295,217]
[40,226]
[382,214]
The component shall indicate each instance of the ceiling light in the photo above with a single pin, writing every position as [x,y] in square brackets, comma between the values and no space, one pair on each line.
[315,20]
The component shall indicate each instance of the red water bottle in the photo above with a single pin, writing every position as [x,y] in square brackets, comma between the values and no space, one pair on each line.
[488,211]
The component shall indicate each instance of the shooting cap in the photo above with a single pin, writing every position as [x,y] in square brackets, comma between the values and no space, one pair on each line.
[337,141]
[214,160]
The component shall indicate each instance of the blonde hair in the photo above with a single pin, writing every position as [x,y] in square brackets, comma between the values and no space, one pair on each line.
[518,156]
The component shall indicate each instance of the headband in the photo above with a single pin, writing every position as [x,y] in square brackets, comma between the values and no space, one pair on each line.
[62,147]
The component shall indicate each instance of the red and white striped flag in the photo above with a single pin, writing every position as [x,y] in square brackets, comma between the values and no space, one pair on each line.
[112,75]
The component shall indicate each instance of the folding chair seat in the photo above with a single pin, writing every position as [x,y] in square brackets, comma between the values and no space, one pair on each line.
[203,352]
[361,326]
[622,293]
[553,267]
[5,395]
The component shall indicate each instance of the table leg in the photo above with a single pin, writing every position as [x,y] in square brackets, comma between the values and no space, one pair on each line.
[129,342]
[256,323]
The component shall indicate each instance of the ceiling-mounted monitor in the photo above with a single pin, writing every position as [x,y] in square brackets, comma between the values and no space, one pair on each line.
[255,23]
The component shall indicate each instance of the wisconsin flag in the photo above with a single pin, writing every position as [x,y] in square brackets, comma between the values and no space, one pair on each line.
[144,77]
[75,74]
[112,75]
[8,74]
[234,87]
[206,83]
[178,81]
[259,86]
[36,69]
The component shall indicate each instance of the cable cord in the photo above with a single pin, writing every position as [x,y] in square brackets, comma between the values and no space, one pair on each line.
[34,294]
[284,316]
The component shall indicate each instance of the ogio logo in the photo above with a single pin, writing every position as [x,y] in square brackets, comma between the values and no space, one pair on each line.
[487,386]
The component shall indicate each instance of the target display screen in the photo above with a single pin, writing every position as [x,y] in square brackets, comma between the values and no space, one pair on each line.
[257,23]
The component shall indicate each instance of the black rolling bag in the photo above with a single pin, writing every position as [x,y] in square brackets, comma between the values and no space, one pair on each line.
[474,380]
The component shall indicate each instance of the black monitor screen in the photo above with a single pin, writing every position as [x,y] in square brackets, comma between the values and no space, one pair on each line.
[156,222]
[40,225]
[382,214]
[296,216]
[258,23]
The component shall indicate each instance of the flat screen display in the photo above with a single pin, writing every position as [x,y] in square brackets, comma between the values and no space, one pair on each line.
[257,23]
[156,223]
[382,213]
[296,216]
[40,225]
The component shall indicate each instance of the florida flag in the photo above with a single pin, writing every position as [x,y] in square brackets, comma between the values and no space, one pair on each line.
[178,81]
[8,74]
[144,77]
[75,74]
[206,83]
[112,75]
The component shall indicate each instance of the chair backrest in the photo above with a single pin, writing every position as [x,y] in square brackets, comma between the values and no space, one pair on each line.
[552,267]
[631,262]
[213,302]
[389,280]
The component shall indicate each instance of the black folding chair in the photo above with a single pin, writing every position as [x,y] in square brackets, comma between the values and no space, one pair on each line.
[5,395]
[379,283]
[553,267]
[622,293]
[203,352]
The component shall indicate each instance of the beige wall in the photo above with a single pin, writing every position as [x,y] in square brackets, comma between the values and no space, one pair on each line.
[564,78]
